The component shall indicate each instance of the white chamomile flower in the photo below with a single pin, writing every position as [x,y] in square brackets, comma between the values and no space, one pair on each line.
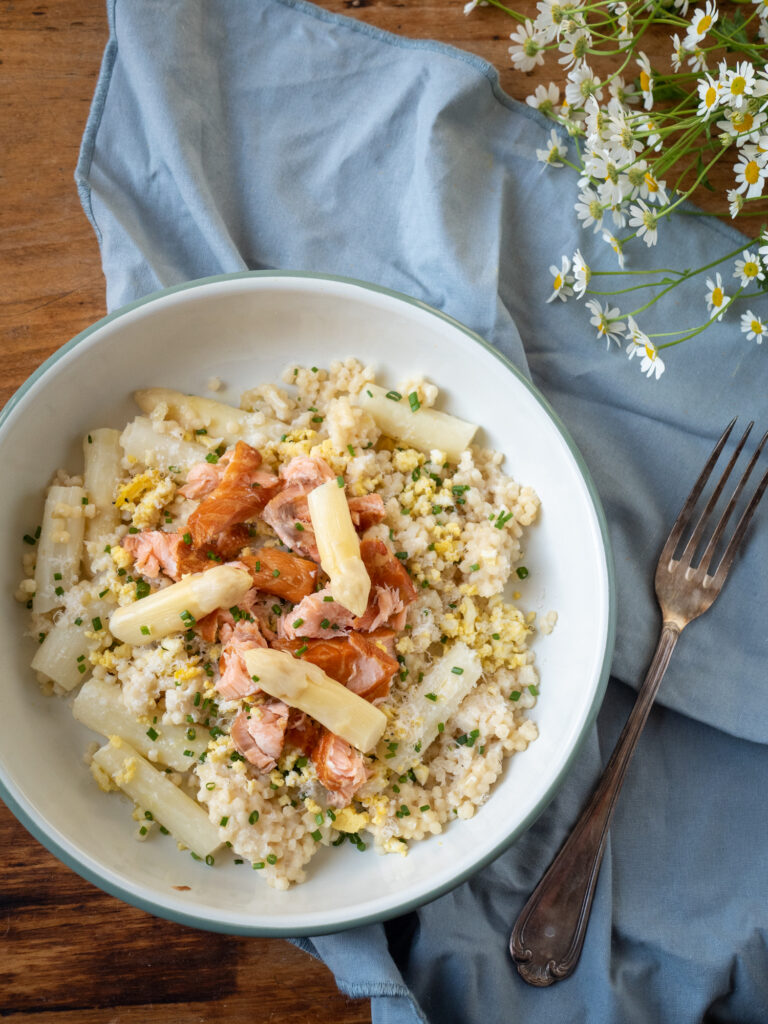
[589,209]
[548,19]
[469,7]
[681,6]
[618,215]
[546,99]
[581,274]
[526,53]
[679,52]
[738,83]
[763,250]
[653,190]
[697,59]
[652,138]
[651,364]
[709,92]
[582,83]
[753,326]
[742,125]
[702,21]
[562,285]
[606,321]
[575,48]
[750,172]
[622,91]
[646,80]
[615,244]
[717,300]
[637,339]
[735,202]
[646,221]
[748,269]
[556,153]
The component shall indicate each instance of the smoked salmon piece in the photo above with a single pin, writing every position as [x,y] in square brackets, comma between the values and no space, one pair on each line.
[354,661]
[317,615]
[392,589]
[280,573]
[288,512]
[204,477]
[154,551]
[302,732]
[340,768]
[259,736]
[366,511]
[234,680]
[240,495]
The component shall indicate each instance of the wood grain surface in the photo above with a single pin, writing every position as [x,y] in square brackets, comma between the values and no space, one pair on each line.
[71,954]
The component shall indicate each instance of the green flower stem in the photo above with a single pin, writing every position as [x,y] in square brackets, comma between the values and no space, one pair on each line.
[698,330]
[687,275]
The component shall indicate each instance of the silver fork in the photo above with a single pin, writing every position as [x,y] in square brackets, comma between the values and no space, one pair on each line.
[548,936]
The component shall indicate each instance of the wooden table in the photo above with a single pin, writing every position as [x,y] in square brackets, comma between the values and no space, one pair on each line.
[71,954]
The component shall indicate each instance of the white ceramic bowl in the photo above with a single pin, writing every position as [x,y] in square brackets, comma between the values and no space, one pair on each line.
[244,329]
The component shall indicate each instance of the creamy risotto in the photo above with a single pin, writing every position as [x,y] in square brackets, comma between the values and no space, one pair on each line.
[292,623]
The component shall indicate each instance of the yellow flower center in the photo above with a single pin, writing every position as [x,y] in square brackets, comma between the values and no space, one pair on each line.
[651,183]
[750,269]
[743,123]
[650,351]
[703,24]
[738,85]
[710,97]
[751,173]
[645,81]
[757,327]
[717,297]
[558,283]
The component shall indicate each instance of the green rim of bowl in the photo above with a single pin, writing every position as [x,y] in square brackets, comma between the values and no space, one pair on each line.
[192,919]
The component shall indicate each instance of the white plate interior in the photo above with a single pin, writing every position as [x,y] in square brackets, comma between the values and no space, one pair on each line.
[245,331]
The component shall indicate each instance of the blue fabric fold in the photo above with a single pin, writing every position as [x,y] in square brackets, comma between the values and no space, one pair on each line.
[272,134]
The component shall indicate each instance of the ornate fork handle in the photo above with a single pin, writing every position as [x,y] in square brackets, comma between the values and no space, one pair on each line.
[548,936]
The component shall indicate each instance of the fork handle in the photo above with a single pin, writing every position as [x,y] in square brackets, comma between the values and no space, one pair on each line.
[548,935]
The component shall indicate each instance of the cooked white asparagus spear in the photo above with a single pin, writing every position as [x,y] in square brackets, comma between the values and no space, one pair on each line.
[306,687]
[425,429]
[196,413]
[154,792]
[177,607]
[102,454]
[63,654]
[447,683]
[140,441]
[60,548]
[339,546]
[99,706]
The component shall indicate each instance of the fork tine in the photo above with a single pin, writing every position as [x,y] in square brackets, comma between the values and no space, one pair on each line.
[685,512]
[714,540]
[693,543]
[730,552]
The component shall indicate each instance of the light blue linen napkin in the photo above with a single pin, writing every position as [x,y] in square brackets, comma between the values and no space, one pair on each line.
[229,136]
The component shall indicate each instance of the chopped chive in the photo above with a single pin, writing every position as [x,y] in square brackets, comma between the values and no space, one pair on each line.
[515,695]
[258,865]
[96,623]
[84,501]
[340,480]
[457,671]
[416,473]
[202,430]
[330,814]
[210,785]
[395,789]
[275,573]
[317,835]
[189,753]
[103,592]
[302,762]
[57,576]
[436,510]
[327,598]
[81,657]
[369,393]
[441,726]
[277,609]
[402,555]
[187,538]
[82,669]
[152,733]
[319,818]
[474,567]
[297,623]
[148,815]
[533,690]
[143,830]
[301,650]
[317,419]
[90,439]
[144,630]
[324,624]
[503,518]
[395,396]
[142,589]
[196,701]
[58,591]
[209,860]
[414,402]
[313,369]
[133,529]
[78,621]
[431,696]
[350,449]
[224,821]
[253,817]
[522,572]
[424,807]
[255,679]
[190,734]
[28,539]
[271,859]
[496,636]
[212,457]
[187,617]
[299,527]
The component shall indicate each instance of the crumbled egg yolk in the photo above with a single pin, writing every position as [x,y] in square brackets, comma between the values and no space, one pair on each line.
[350,820]
[137,486]
[497,634]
